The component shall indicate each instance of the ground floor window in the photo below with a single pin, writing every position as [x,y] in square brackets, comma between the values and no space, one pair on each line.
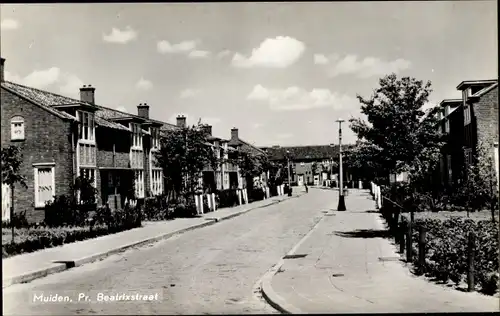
[45,187]
[156,181]
[139,184]
[89,173]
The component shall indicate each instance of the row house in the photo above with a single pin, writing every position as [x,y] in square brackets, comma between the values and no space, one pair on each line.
[62,138]
[228,175]
[465,122]
[310,165]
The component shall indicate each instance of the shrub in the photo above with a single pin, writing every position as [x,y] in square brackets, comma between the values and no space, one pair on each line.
[64,211]
[18,221]
[256,195]
[447,246]
[157,208]
[226,198]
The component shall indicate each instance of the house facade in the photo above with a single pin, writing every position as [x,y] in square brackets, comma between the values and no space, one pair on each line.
[310,165]
[465,122]
[62,138]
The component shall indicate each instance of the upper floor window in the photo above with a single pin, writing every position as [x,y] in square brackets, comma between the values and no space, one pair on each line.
[17,128]
[155,138]
[136,135]
[467,115]
[446,110]
[87,126]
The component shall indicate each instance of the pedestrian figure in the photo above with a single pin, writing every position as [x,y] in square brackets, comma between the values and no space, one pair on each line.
[307,189]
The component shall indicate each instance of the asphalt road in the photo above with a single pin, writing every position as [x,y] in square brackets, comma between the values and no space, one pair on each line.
[211,270]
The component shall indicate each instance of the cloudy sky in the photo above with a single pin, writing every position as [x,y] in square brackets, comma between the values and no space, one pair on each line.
[282,73]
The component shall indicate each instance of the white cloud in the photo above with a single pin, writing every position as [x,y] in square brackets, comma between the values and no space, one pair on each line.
[224,53]
[71,86]
[9,24]
[320,59]
[189,93]
[122,109]
[295,98]
[199,54]
[165,47]
[367,67]
[37,79]
[120,37]
[279,52]
[257,125]
[144,84]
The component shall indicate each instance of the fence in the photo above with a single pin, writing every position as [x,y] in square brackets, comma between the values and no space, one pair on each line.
[402,232]
[6,202]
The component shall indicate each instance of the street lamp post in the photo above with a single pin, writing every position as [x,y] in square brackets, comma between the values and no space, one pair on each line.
[341,206]
[288,173]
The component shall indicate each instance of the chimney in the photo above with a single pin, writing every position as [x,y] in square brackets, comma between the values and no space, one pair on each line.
[234,133]
[207,129]
[143,110]
[2,71]
[181,121]
[87,94]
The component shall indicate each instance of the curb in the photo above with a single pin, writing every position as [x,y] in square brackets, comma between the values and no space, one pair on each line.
[59,266]
[273,298]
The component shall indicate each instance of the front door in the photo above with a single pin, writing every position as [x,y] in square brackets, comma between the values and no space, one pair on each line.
[110,189]
[300,180]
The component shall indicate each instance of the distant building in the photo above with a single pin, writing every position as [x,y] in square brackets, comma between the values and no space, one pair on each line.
[311,165]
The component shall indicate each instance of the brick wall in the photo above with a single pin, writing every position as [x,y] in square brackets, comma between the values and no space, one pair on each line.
[47,139]
[105,139]
[486,113]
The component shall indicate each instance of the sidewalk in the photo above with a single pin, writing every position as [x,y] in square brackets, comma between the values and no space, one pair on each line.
[351,267]
[27,267]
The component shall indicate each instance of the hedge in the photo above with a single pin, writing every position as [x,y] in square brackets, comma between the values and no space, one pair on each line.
[101,222]
[446,250]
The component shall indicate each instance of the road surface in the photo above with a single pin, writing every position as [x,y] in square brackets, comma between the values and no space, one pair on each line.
[211,270]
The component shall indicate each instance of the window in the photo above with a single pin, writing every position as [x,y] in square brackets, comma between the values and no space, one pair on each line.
[136,135]
[137,159]
[89,173]
[155,138]
[139,184]
[17,128]
[467,114]
[87,155]
[447,126]
[87,126]
[157,182]
[45,187]
[441,169]
[468,156]
[446,110]
[448,165]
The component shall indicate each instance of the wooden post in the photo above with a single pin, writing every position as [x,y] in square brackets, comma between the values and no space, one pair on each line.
[409,243]
[470,261]
[421,249]
[402,239]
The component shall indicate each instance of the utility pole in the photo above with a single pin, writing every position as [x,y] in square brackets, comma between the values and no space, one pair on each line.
[341,206]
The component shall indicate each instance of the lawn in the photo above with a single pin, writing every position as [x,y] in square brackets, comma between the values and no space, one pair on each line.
[444,215]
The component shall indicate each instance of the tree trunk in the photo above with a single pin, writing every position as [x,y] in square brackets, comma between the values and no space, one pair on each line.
[12,210]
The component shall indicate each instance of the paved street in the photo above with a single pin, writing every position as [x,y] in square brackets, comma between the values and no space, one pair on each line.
[211,270]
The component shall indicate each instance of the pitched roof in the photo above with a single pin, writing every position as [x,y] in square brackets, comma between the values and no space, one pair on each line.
[245,146]
[42,98]
[318,152]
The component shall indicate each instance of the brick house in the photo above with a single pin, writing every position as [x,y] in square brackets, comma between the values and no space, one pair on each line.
[310,164]
[465,122]
[62,138]
[227,175]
